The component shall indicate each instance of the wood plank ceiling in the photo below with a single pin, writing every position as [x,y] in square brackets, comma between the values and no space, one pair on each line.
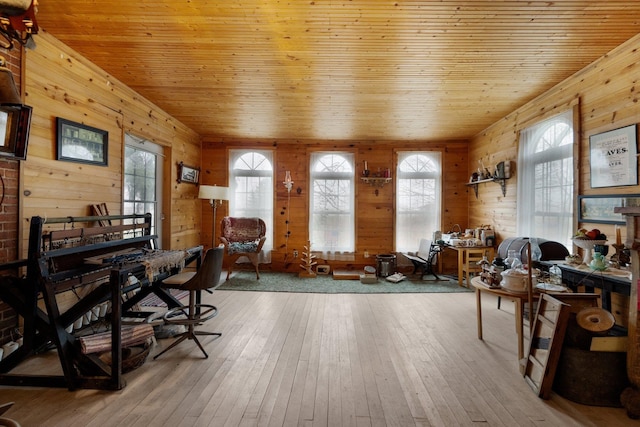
[345,70]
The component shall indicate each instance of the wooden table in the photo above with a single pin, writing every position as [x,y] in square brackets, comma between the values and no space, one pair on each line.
[518,298]
[463,252]
[610,281]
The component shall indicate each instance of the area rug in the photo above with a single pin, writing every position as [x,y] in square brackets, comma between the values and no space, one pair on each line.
[290,282]
[153,300]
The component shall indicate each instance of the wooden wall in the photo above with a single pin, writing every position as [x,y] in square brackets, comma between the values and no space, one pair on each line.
[374,210]
[61,83]
[606,93]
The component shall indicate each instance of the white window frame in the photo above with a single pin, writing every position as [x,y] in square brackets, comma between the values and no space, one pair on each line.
[257,170]
[156,150]
[418,198]
[546,189]
[326,205]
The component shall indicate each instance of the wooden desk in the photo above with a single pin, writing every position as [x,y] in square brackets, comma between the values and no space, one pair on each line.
[518,299]
[462,258]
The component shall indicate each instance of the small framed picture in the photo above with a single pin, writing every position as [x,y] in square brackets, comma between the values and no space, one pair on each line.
[188,174]
[81,143]
[600,208]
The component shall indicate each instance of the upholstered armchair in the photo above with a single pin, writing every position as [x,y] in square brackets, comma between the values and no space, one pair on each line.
[242,237]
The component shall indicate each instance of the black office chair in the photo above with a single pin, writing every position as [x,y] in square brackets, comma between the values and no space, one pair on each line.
[206,278]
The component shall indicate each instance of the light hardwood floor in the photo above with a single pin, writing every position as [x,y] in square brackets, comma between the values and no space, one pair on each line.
[326,360]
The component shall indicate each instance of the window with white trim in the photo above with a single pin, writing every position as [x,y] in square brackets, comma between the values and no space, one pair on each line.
[251,190]
[418,198]
[332,217]
[142,190]
[545,180]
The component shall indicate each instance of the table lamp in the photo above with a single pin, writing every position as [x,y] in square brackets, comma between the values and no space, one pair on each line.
[215,195]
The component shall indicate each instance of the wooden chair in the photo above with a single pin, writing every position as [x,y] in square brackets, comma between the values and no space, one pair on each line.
[470,267]
[243,237]
[425,258]
[206,278]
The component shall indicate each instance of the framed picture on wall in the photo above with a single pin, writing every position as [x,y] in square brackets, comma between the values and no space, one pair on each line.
[188,174]
[599,209]
[613,158]
[81,143]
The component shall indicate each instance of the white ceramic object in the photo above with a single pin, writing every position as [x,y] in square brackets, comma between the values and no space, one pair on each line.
[587,247]
[515,280]
[78,323]
[103,310]
[9,348]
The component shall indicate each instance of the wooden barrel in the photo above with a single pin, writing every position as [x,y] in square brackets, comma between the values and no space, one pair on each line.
[595,378]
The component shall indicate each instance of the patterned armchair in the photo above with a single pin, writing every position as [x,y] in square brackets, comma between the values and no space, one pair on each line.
[242,237]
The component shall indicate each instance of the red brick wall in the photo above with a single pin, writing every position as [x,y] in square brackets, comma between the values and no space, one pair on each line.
[9,200]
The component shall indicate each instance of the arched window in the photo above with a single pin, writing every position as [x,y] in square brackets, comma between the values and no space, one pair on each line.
[545,180]
[418,204]
[331,222]
[251,190]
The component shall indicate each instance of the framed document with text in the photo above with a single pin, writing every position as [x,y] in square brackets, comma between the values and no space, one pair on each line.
[613,157]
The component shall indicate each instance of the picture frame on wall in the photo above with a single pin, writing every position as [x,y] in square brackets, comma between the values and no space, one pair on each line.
[77,142]
[600,208]
[188,174]
[613,157]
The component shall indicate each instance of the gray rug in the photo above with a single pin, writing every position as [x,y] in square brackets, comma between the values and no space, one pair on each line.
[290,282]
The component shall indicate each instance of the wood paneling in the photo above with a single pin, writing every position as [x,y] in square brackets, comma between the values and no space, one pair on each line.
[608,99]
[61,83]
[352,70]
[374,209]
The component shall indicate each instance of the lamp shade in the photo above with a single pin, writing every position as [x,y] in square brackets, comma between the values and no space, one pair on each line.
[213,192]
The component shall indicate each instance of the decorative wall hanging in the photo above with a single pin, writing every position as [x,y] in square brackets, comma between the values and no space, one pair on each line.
[613,158]
[81,143]
[599,209]
[188,174]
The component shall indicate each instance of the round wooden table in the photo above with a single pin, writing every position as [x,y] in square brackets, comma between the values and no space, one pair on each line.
[518,298]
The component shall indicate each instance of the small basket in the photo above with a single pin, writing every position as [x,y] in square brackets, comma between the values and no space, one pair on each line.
[132,358]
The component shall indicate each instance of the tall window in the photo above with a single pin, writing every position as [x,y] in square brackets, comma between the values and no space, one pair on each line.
[418,204]
[251,187]
[331,222]
[545,180]
[142,180]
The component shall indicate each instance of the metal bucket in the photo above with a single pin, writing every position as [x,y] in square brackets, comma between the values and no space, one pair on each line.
[386,264]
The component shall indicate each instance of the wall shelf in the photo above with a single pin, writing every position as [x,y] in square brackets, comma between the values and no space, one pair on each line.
[375,181]
[501,181]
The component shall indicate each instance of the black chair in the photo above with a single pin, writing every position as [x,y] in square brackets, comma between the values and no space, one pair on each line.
[206,278]
[425,258]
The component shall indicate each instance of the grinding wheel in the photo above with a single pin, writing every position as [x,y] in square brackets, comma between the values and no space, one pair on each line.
[595,319]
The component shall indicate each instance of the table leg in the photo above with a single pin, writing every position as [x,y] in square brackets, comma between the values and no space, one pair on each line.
[479,313]
[519,327]
[460,265]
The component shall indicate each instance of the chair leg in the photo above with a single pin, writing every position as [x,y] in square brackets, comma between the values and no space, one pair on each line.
[194,317]
[183,336]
